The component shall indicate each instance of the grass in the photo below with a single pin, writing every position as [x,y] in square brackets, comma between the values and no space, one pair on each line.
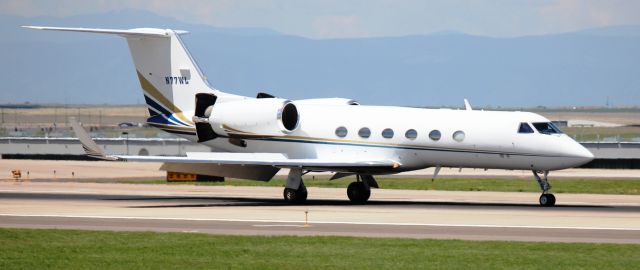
[603,133]
[69,249]
[590,186]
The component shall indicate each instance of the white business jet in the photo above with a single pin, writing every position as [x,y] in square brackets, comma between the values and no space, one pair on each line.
[253,138]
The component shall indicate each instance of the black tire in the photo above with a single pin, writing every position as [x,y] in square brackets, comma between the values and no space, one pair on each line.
[358,192]
[547,200]
[290,195]
[552,199]
[295,196]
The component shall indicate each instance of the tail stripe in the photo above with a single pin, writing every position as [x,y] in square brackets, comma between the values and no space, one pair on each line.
[162,102]
[153,92]
[153,105]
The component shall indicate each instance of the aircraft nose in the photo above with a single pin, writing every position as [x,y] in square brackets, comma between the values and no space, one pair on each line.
[582,153]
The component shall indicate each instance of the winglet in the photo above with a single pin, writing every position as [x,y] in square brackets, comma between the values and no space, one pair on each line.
[467,106]
[89,145]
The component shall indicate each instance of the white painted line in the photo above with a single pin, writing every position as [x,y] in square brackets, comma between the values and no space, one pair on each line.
[279,225]
[330,222]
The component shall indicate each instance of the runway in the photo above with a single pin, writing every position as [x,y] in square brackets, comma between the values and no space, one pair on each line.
[260,211]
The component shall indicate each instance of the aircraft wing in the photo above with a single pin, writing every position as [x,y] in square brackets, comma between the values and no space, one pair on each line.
[276,160]
[269,159]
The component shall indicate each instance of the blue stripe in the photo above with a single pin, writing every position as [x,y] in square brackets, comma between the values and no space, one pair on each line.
[172,117]
[405,147]
[164,111]
[156,106]
[152,112]
[159,119]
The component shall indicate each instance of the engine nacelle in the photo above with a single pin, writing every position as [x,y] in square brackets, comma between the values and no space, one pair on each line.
[265,116]
[327,101]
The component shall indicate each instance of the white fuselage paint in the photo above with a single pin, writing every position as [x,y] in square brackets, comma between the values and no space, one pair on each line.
[491,138]
[171,80]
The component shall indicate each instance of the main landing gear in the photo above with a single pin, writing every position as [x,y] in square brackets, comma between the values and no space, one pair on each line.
[295,191]
[358,191]
[298,195]
[546,199]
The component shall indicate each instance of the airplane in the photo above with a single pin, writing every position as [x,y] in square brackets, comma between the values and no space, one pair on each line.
[255,137]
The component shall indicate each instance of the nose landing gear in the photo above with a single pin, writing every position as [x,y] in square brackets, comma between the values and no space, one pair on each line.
[546,199]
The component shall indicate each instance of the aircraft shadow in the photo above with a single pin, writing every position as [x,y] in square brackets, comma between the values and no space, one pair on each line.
[189,202]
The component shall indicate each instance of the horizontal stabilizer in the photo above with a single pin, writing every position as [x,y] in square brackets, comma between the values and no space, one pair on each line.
[153,32]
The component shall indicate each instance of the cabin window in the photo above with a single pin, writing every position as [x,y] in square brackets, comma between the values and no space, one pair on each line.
[525,128]
[341,132]
[547,128]
[458,136]
[387,133]
[435,135]
[411,134]
[364,132]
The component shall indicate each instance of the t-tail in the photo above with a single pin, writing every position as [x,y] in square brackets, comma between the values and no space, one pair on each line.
[168,75]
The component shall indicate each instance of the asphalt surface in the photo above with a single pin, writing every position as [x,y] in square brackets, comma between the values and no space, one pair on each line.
[260,211]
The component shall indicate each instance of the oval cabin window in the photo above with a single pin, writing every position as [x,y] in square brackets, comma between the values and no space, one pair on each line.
[459,135]
[411,134]
[364,132]
[435,135]
[387,133]
[341,132]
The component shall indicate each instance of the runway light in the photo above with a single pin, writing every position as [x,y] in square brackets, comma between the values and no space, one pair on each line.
[306,219]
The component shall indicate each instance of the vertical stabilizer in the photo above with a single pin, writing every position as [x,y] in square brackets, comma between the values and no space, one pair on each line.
[168,75]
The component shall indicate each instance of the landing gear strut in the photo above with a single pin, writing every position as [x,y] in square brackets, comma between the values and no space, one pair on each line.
[295,191]
[546,199]
[360,191]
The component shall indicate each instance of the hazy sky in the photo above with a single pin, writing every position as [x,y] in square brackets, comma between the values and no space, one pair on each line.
[365,18]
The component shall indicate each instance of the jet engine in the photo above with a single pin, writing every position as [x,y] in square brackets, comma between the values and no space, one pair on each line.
[269,116]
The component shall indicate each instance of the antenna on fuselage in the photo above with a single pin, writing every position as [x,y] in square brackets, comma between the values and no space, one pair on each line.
[467,106]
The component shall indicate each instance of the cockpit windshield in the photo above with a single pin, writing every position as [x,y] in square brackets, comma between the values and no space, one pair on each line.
[525,128]
[547,128]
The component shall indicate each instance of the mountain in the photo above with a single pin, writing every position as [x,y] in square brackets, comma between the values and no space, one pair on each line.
[569,69]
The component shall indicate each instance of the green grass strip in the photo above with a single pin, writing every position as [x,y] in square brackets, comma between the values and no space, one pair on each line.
[69,249]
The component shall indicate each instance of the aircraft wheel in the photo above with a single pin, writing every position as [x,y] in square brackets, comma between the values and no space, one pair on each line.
[358,192]
[547,200]
[295,195]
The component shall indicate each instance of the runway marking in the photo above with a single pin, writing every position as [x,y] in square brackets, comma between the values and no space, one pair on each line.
[331,222]
[279,225]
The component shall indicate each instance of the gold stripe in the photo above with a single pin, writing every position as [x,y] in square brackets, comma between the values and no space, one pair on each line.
[352,141]
[153,91]
[184,118]
[228,128]
[172,127]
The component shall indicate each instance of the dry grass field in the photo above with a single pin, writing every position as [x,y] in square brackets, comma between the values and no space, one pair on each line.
[89,115]
[110,116]
[620,117]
